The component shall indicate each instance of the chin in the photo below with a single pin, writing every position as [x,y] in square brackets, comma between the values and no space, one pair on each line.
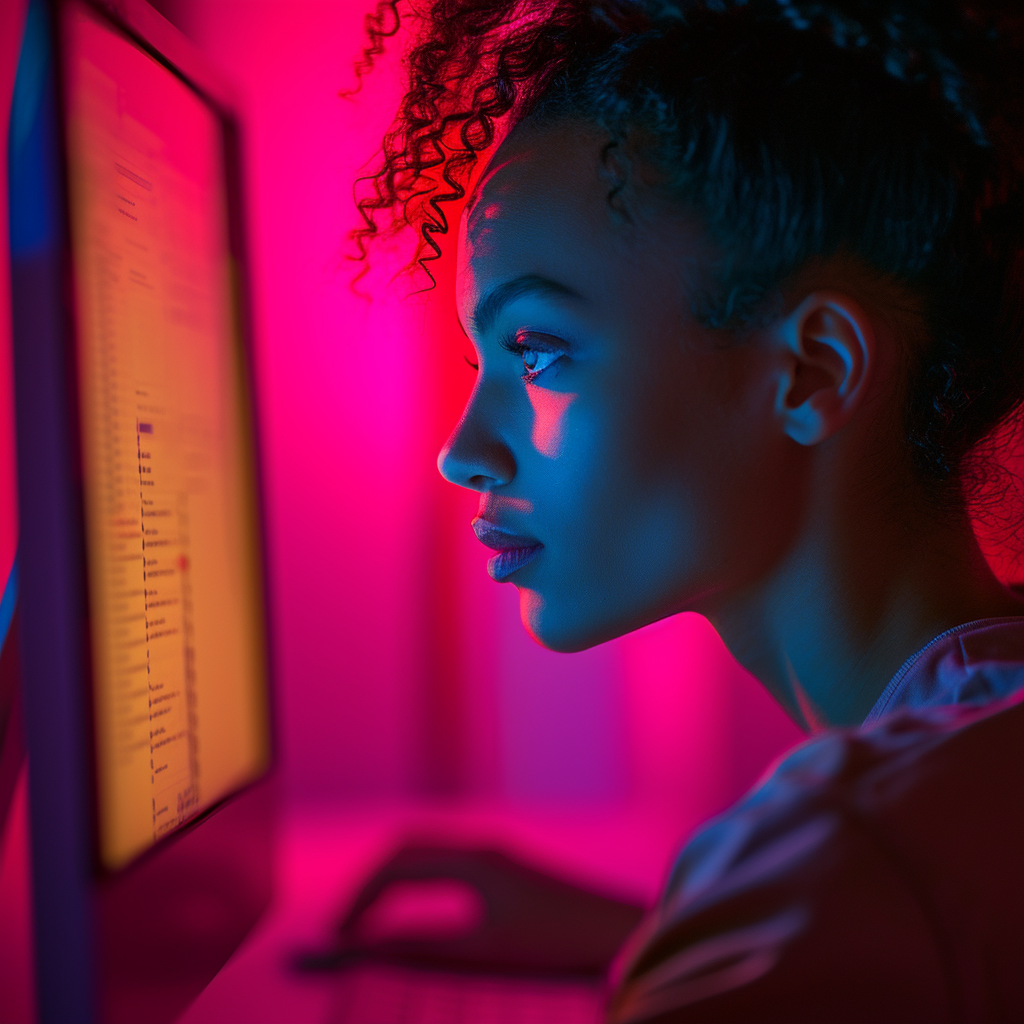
[563,629]
[563,626]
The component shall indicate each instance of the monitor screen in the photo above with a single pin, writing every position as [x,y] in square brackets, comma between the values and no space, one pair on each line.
[179,694]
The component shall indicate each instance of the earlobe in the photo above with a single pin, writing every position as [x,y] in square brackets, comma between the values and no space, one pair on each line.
[829,342]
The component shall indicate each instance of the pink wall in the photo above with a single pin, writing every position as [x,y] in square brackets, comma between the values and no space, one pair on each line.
[403,669]
[341,405]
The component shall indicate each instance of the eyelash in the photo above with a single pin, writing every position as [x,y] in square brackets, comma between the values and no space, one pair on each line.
[513,343]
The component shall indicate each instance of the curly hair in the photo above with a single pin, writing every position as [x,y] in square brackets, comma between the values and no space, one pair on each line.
[888,131]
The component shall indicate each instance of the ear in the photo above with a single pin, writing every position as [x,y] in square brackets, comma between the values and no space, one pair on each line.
[830,348]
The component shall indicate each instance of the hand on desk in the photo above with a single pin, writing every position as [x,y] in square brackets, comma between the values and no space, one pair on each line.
[480,909]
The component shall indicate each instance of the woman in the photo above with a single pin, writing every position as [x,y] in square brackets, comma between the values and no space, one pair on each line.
[745,282]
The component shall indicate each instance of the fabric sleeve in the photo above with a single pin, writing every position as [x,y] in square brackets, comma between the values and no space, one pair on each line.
[788,909]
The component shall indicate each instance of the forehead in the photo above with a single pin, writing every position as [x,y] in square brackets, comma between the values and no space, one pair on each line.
[538,170]
[541,208]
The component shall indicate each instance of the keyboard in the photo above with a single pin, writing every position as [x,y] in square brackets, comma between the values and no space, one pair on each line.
[385,994]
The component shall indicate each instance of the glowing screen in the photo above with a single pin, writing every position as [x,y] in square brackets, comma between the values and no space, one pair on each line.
[179,679]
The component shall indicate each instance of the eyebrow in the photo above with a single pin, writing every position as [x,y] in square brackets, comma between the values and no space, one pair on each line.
[488,308]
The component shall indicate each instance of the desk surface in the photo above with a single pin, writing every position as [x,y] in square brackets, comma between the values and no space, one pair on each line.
[325,855]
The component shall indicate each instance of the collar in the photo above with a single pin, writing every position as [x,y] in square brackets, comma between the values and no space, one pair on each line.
[974,663]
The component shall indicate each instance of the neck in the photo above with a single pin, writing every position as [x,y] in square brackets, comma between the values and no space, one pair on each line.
[827,629]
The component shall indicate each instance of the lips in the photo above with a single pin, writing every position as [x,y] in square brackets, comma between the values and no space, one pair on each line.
[513,550]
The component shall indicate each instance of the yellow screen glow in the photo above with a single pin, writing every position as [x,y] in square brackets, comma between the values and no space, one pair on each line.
[179,679]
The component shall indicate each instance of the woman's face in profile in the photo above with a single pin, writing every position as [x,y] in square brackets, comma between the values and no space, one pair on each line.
[626,458]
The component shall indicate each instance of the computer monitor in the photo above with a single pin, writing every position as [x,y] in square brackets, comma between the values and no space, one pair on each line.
[143,617]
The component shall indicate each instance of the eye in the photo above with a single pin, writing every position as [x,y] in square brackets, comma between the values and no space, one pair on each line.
[535,361]
[538,351]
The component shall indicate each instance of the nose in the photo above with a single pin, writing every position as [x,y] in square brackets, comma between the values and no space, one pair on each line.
[475,456]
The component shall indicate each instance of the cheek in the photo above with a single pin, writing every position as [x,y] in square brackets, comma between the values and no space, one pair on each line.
[613,460]
[652,462]
[550,419]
